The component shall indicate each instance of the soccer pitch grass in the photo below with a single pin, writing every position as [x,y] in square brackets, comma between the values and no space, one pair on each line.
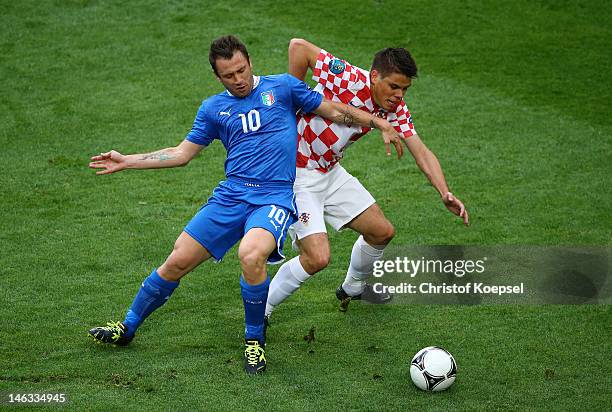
[513,97]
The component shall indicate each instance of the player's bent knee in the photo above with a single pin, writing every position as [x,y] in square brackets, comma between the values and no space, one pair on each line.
[388,233]
[315,261]
[382,235]
[178,264]
[251,259]
[321,261]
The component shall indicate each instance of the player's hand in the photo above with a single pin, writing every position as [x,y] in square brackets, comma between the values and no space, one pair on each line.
[456,207]
[391,136]
[109,162]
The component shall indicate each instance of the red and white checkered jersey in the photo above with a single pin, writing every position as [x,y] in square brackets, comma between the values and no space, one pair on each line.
[322,142]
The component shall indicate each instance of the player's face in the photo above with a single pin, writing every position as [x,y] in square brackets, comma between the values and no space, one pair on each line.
[236,74]
[389,90]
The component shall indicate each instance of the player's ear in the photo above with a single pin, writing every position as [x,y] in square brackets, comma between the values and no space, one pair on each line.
[374,76]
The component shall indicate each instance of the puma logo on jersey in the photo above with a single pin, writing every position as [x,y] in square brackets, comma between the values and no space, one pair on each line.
[225,113]
[274,224]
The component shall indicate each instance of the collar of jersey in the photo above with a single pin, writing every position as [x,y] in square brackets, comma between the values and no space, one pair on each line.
[255,84]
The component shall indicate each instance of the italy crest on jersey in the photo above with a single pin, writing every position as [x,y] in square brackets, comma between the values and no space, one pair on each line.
[268,98]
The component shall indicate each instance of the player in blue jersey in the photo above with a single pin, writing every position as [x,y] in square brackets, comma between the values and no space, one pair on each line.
[255,120]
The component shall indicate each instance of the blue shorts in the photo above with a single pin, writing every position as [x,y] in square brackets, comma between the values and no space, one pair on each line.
[237,206]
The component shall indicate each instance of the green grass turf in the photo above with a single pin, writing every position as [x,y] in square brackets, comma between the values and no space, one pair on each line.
[513,97]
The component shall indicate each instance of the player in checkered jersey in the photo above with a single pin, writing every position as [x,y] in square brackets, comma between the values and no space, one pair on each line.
[325,191]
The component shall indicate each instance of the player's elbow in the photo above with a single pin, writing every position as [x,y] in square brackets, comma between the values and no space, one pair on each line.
[422,155]
[295,45]
[302,52]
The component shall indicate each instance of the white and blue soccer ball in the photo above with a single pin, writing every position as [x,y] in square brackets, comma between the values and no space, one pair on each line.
[433,369]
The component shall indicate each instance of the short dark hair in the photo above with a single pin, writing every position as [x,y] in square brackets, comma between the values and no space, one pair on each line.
[394,60]
[224,48]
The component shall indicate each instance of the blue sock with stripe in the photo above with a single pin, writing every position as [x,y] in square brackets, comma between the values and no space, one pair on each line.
[153,293]
[254,298]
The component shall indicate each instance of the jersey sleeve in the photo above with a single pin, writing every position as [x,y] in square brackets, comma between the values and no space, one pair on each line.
[335,74]
[302,96]
[203,131]
[401,120]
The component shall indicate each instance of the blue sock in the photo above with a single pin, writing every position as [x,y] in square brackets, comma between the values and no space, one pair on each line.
[254,298]
[153,293]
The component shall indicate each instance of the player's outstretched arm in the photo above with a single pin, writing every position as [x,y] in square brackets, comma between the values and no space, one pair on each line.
[113,161]
[430,166]
[347,115]
[302,56]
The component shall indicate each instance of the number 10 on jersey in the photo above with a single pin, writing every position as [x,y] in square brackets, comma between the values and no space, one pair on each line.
[278,215]
[252,118]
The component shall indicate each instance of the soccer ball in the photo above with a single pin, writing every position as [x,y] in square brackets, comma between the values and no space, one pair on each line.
[433,369]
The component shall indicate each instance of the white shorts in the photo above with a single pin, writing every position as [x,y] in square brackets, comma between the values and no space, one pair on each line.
[335,197]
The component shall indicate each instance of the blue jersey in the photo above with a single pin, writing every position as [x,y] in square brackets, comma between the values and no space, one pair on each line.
[258,131]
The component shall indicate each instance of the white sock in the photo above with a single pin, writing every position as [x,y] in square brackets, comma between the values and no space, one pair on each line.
[361,267]
[287,280]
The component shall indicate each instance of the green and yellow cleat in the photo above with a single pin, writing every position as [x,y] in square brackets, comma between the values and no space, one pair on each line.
[254,357]
[114,333]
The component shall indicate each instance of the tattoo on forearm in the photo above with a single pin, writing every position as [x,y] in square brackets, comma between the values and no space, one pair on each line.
[347,119]
[160,155]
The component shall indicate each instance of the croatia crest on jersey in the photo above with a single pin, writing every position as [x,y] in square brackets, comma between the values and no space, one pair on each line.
[268,98]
